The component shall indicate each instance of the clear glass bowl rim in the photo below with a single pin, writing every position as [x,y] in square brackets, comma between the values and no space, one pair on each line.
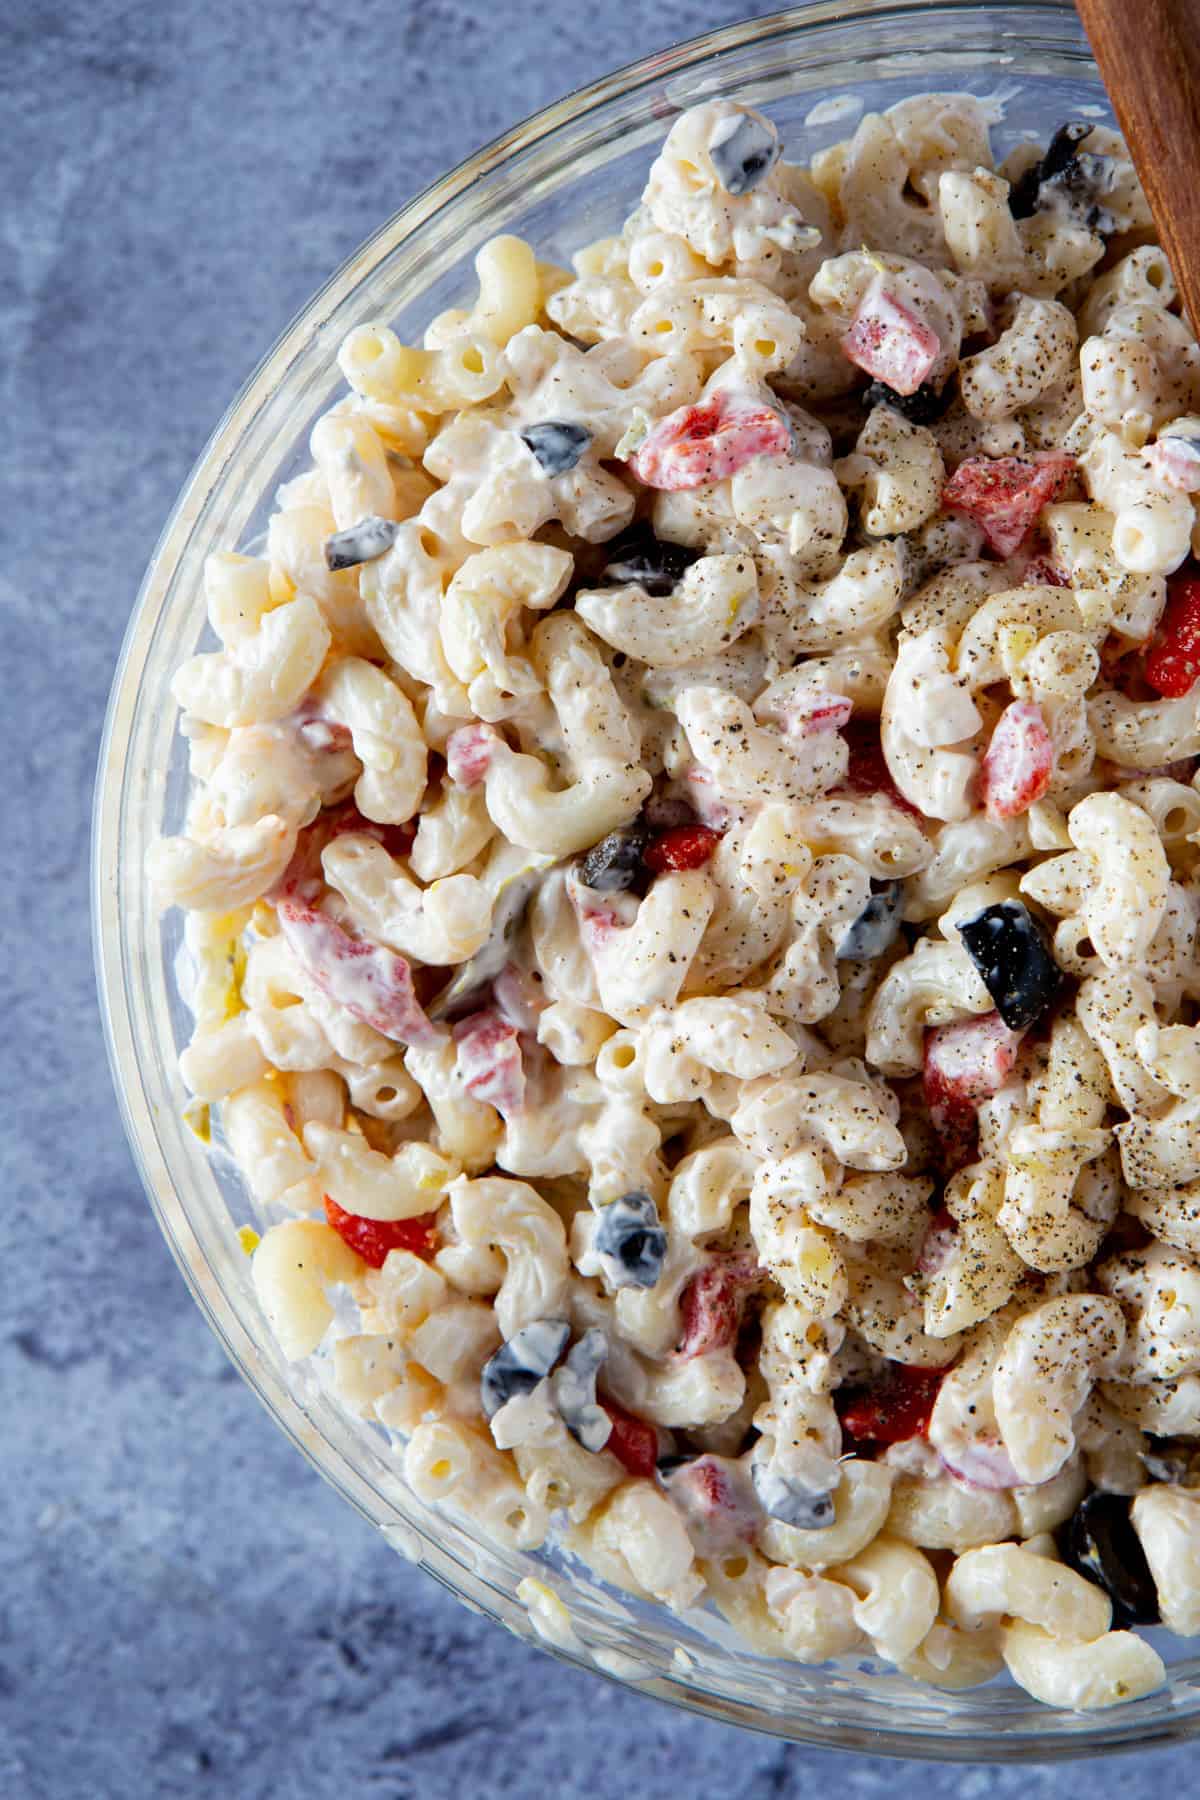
[122,949]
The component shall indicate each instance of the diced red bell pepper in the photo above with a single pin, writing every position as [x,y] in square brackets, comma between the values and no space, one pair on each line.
[1018,765]
[965,1063]
[707,803]
[1041,572]
[469,754]
[338,821]
[373,983]
[1176,460]
[1173,662]
[970,1059]
[717,1503]
[631,1440]
[896,1408]
[375,1239]
[890,342]
[712,1304]
[695,445]
[938,1244]
[303,879]
[868,772]
[984,1462]
[598,924]
[489,1061]
[813,711]
[684,847]
[321,735]
[1005,494]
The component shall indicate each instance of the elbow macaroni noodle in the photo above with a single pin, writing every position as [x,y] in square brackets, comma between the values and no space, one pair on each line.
[694,892]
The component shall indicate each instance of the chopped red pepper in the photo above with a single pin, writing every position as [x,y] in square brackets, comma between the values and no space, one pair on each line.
[939,1243]
[712,1303]
[706,802]
[684,847]
[698,444]
[815,710]
[1005,494]
[303,876]
[469,754]
[373,983]
[965,1063]
[717,1501]
[1041,572]
[897,1408]
[375,1239]
[319,734]
[1173,664]
[890,342]
[1018,765]
[969,1060]
[868,772]
[488,1061]
[1176,460]
[632,1441]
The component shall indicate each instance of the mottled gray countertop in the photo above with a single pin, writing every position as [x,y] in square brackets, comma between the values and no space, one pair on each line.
[185,1608]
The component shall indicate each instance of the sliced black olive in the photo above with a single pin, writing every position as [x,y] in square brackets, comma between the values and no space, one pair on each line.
[519,1365]
[743,151]
[1023,195]
[629,1236]
[1101,1543]
[1064,169]
[616,861]
[1060,152]
[558,444]
[1088,179]
[360,543]
[653,563]
[788,1502]
[1012,956]
[1060,155]
[920,408]
[574,1388]
[876,926]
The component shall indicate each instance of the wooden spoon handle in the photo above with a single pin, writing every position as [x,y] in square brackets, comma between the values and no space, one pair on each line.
[1148,52]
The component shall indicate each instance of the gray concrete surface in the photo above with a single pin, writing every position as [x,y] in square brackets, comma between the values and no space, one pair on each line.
[185,1609]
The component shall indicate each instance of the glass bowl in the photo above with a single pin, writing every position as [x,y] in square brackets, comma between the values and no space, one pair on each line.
[567,176]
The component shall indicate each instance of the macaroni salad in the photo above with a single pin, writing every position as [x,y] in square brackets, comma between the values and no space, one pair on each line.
[693,877]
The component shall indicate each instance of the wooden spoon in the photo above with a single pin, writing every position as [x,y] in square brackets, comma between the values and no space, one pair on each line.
[1148,52]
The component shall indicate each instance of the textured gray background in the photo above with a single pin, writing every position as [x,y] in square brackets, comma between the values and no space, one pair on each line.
[185,1609]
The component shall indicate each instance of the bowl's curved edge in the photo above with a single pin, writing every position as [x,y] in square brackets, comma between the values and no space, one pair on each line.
[110,962]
